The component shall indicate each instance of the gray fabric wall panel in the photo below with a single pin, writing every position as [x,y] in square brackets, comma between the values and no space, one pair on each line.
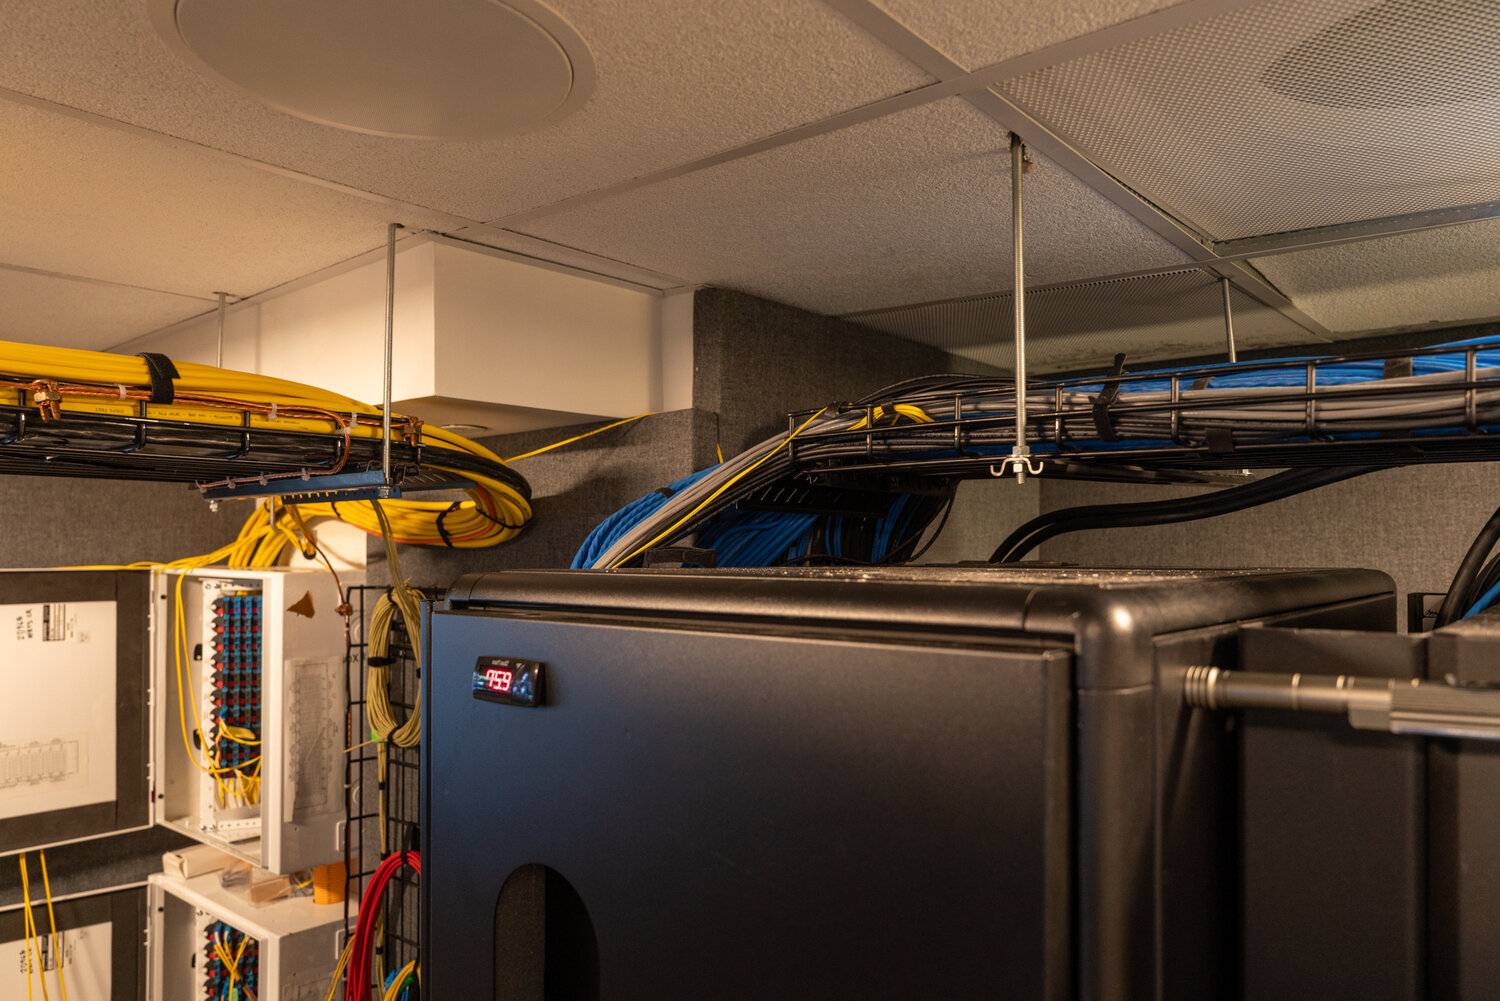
[90,865]
[573,489]
[56,521]
[754,361]
[984,512]
[1413,523]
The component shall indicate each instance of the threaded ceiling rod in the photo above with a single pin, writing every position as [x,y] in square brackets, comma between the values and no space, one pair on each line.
[1228,321]
[1020,451]
[390,337]
[219,354]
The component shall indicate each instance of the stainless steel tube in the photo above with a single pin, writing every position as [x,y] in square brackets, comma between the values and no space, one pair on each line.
[1427,708]
[1017,168]
[219,354]
[1228,320]
[390,339]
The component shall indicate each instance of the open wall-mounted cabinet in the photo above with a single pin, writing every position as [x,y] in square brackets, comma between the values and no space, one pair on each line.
[248,713]
[285,950]
[207,701]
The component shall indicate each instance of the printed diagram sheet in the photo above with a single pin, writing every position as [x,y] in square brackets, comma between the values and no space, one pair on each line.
[57,720]
[83,953]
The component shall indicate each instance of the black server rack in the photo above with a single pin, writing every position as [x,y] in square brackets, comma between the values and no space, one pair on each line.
[897,783]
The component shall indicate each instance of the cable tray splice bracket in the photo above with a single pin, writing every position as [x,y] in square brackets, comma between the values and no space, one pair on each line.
[370,485]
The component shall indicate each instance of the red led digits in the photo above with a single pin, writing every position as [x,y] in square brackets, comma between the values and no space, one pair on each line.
[508,681]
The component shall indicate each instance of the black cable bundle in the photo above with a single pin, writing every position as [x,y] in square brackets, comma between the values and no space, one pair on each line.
[1284,484]
[1474,578]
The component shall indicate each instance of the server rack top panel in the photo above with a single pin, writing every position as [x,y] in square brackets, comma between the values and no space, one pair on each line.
[1104,611]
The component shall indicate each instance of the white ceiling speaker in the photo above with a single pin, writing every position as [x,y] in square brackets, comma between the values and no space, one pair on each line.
[430,69]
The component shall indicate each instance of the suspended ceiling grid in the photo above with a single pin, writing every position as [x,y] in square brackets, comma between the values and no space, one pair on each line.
[843,156]
[1077,326]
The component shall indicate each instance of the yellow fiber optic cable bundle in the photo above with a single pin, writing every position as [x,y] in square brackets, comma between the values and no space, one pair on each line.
[64,382]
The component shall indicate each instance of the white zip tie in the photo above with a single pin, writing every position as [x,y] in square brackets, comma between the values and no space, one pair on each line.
[121,388]
[273,410]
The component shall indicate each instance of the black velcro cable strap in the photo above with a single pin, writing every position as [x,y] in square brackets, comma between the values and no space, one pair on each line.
[1396,368]
[443,531]
[1102,402]
[1220,441]
[162,372]
[675,556]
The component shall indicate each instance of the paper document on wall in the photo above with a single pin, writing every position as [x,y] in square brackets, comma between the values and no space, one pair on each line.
[57,719]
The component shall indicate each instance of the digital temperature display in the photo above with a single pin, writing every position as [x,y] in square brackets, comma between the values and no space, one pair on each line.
[508,680]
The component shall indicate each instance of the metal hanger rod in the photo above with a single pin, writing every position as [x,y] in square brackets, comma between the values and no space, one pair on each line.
[1228,320]
[390,338]
[219,354]
[1017,164]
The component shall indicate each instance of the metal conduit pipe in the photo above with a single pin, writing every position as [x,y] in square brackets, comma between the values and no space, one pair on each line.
[1425,708]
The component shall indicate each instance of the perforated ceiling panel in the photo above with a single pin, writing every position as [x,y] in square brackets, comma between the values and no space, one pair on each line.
[1083,326]
[1293,113]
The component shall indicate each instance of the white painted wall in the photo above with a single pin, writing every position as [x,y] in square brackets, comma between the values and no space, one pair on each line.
[675,358]
[481,337]
[326,330]
[527,336]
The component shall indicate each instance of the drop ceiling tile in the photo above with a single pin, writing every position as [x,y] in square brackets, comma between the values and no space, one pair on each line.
[1150,318]
[1290,114]
[675,81]
[911,207]
[555,253]
[1438,276]
[86,199]
[62,312]
[976,33]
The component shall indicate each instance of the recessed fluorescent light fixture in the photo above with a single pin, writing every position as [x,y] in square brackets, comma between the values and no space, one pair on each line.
[417,69]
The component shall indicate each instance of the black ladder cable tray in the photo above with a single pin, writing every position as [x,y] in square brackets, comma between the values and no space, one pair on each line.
[1066,436]
[141,447]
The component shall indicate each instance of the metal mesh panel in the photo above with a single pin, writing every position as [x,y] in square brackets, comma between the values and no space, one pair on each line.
[399,942]
[1076,327]
[1291,114]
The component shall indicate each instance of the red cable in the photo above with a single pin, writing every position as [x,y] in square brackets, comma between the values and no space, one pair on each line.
[357,977]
